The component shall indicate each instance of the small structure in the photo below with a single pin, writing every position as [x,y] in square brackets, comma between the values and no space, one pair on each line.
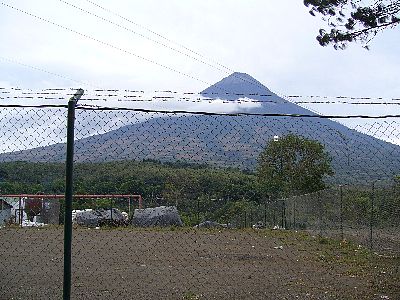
[17,209]
[162,216]
[40,208]
[5,212]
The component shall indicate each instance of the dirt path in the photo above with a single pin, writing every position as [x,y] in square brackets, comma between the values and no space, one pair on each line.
[187,264]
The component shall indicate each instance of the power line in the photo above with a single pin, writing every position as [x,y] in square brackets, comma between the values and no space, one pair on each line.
[103,43]
[159,35]
[141,35]
[286,97]
[159,43]
[46,71]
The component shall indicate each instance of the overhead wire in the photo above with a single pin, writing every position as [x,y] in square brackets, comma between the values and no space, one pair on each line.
[46,71]
[138,34]
[158,35]
[252,82]
[286,97]
[103,42]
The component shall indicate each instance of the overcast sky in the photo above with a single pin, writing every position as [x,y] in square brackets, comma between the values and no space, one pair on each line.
[273,41]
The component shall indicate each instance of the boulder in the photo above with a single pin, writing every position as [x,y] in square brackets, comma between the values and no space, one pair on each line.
[209,224]
[100,217]
[162,216]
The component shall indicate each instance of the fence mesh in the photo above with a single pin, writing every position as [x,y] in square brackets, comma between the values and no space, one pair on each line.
[173,206]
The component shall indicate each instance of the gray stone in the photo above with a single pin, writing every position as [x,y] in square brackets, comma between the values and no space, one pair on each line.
[209,224]
[99,217]
[162,216]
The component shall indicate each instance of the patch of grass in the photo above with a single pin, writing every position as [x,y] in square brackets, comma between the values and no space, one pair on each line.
[190,296]
[381,273]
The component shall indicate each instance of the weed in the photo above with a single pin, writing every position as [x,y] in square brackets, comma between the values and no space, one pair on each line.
[190,296]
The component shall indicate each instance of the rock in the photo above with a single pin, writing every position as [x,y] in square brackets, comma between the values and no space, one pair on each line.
[259,225]
[209,224]
[100,217]
[162,216]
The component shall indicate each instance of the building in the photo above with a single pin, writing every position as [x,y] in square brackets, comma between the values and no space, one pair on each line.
[5,212]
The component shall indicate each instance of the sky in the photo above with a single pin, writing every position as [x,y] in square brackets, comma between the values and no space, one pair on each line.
[188,45]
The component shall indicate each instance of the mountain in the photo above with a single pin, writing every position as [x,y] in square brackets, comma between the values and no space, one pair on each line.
[229,141]
[241,85]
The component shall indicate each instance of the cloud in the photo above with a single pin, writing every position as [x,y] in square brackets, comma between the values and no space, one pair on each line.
[26,128]
[273,41]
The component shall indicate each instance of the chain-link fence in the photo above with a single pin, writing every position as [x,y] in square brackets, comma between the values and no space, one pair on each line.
[175,206]
[367,216]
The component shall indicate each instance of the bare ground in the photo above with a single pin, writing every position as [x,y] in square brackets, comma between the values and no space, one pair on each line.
[191,264]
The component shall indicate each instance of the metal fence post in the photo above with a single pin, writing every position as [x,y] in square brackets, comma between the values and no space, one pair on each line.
[320,211]
[69,194]
[341,213]
[283,213]
[294,212]
[274,211]
[265,211]
[372,217]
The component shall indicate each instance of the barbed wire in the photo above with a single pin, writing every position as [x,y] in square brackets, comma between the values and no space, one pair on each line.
[85,107]
[176,112]
[140,95]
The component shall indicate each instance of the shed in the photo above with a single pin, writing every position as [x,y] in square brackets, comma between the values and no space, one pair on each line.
[5,212]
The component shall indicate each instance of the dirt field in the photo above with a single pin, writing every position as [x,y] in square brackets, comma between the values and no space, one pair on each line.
[190,264]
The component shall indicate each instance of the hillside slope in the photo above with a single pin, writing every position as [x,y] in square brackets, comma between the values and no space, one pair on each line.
[231,141]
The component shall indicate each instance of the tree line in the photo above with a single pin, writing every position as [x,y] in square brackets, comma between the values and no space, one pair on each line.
[288,166]
[291,165]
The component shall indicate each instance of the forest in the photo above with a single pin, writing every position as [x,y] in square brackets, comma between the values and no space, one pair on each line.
[200,192]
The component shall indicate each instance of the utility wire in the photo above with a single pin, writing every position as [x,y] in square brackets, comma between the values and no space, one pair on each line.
[45,71]
[103,43]
[288,98]
[141,35]
[159,35]
[227,69]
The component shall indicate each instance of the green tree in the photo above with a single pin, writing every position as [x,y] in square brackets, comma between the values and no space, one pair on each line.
[293,165]
[353,21]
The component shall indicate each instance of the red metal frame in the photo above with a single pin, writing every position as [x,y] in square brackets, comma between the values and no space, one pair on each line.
[35,196]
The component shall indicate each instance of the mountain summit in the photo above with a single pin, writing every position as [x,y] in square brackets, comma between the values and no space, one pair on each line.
[241,85]
[229,141]
[237,83]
